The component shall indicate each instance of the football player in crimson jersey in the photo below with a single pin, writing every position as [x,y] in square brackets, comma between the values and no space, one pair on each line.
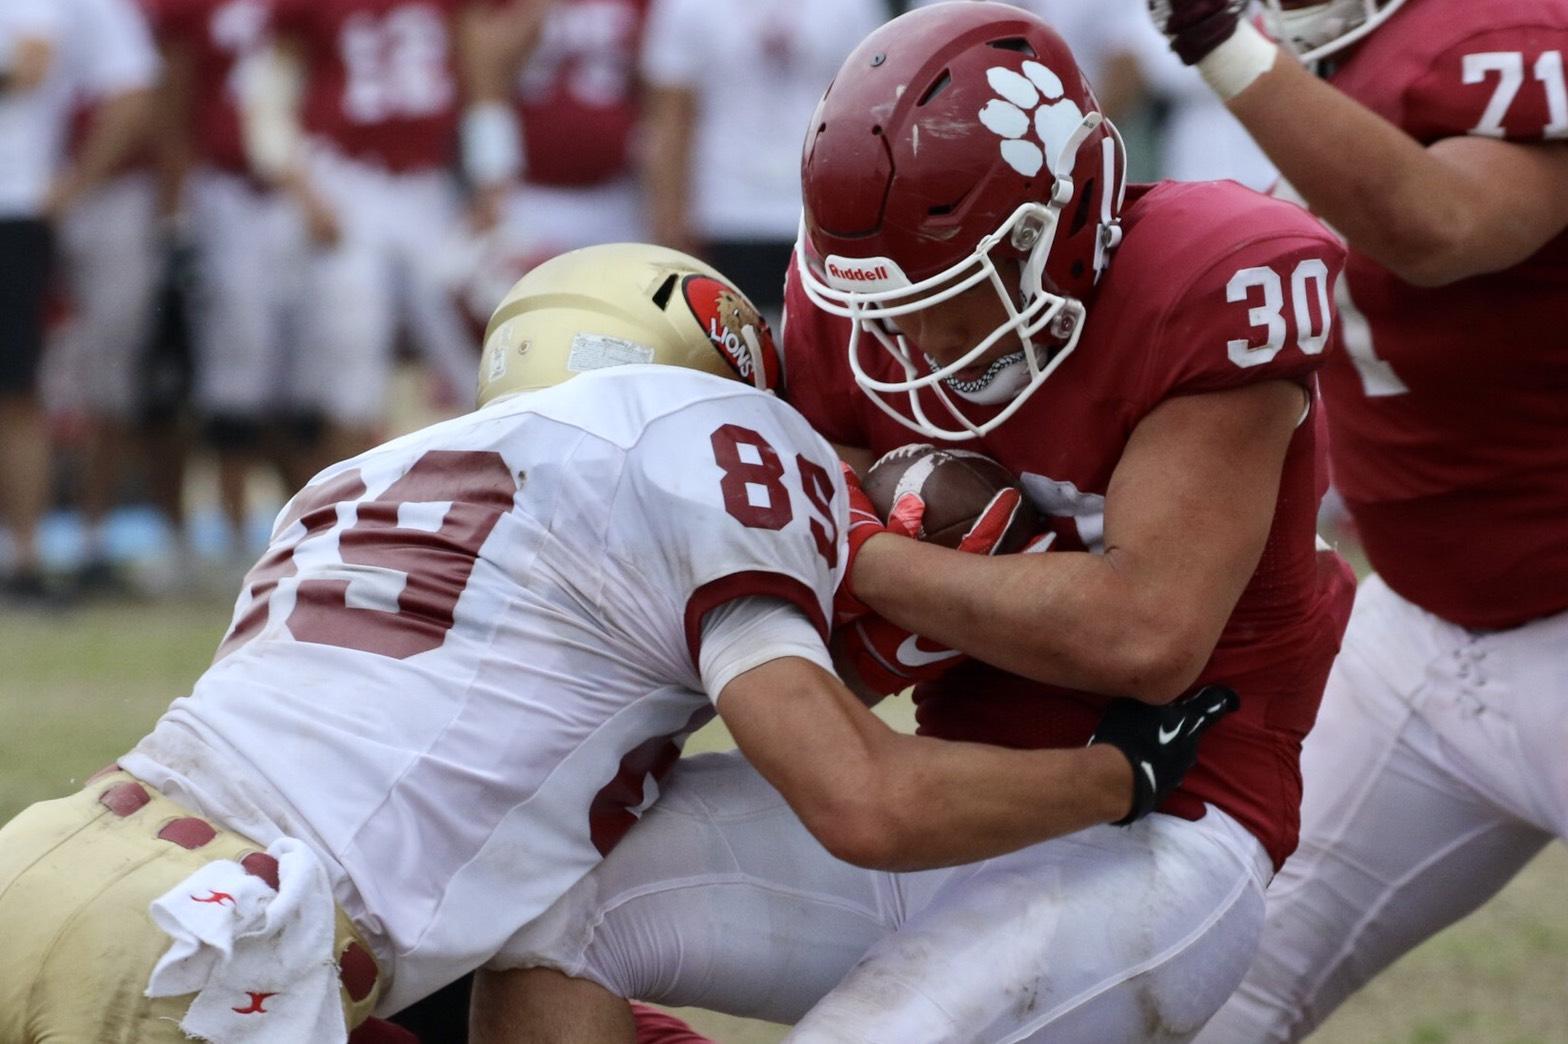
[553,110]
[457,677]
[379,84]
[973,271]
[1432,139]
[254,390]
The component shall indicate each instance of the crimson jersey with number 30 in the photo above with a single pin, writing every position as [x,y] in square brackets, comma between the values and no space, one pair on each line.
[468,655]
[382,81]
[1214,287]
[1449,410]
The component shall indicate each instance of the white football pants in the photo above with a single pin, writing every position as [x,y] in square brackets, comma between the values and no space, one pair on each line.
[719,898]
[250,249]
[109,247]
[384,271]
[1438,768]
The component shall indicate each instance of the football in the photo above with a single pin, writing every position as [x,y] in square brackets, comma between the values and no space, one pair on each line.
[957,485]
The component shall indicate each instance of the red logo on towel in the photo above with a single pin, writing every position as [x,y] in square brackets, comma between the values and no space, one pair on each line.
[215,897]
[255,1003]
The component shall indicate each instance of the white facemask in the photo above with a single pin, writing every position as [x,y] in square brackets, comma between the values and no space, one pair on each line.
[1318,31]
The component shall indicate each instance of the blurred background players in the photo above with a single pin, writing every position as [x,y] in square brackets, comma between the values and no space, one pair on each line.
[731,86]
[249,249]
[560,81]
[54,54]
[378,101]
[549,138]
[1434,143]
[109,268]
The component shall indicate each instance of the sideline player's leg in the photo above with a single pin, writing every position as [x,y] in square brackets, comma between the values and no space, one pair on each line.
[112,265]
[1413,815]
[429,212]
[238,336]
[351,316]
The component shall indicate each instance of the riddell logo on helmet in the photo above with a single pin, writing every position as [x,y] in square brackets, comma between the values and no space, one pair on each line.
[866,273]
[857,275]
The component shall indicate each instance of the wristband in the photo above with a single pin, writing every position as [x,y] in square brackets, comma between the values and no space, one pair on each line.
[1231,67]
[492,144]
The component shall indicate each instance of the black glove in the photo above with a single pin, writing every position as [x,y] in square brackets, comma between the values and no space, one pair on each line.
[1196,27]
[1160,741]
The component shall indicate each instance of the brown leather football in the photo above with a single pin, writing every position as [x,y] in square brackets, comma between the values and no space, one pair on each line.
[957,485]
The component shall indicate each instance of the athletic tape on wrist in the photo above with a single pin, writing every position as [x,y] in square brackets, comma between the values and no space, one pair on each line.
[492,144]
[1231,67]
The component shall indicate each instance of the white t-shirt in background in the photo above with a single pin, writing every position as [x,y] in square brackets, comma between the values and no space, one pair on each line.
[99,48]
[758,68]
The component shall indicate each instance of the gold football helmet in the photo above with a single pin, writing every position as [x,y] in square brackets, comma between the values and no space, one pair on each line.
[623,303]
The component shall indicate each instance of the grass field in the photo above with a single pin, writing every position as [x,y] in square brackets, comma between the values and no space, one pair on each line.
[77,689]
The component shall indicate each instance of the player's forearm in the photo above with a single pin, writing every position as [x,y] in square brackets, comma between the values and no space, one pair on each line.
[950,803]
[119,126]
[1376,185]
[174,148]
[26,65]
[670,115]
[1084,621]
[881,799]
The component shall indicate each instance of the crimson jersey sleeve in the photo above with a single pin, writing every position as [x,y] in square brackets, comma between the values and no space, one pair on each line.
[1256,298]
[1505,82]
[1443,68]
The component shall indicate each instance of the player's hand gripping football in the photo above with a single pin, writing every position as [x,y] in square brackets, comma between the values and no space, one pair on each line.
[1161,742]
[864,523]
[950,497]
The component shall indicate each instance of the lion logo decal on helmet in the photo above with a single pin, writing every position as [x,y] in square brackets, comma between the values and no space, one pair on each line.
[1031,98]
[733,324]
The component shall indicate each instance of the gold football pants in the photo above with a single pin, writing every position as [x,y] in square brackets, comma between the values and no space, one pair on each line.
[77,945]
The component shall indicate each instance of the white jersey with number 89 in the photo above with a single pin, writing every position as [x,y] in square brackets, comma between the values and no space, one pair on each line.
[468,654]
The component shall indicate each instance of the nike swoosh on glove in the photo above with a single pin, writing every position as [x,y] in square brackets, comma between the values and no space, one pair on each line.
[1161,742]
[890,659]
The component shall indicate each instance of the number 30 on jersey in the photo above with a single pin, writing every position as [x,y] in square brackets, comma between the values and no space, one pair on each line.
[1263,289]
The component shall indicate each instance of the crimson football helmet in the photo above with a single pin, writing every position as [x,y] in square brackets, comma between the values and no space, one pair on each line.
[956,137]
[1315,31]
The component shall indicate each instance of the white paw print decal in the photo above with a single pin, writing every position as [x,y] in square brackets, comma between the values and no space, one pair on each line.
[1054,122]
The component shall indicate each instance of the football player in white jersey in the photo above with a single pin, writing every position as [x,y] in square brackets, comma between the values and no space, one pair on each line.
[455,678]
